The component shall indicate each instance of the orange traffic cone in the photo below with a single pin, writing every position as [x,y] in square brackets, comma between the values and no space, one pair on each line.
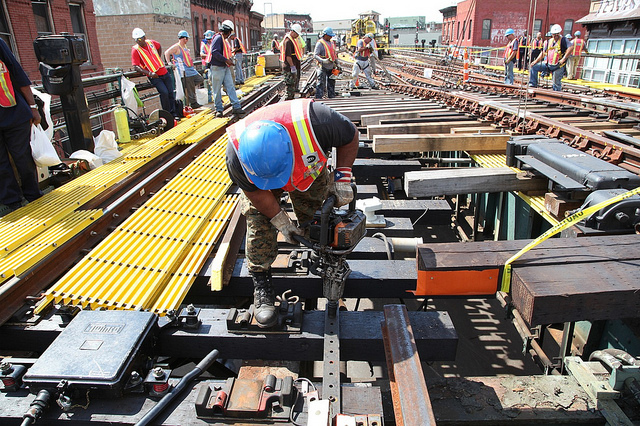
[357,82]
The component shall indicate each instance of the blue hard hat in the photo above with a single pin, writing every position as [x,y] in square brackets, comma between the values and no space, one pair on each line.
[182,34]
[577,34]
[266,154]
[208,35]
[509,32]
[329,31]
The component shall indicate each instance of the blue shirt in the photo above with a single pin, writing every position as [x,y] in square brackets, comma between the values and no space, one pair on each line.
[184,70]
[21,112]
[217,52]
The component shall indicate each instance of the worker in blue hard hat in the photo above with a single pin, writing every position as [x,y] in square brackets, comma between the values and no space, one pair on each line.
[180,55]
[578,46]
[285,147]
[327,56]
[510,54]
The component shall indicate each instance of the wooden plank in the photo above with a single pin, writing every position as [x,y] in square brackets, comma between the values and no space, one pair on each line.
[417,128]
[437,182]
[222,265]
[479,129]
[371,119]
[440,142]
[557,205]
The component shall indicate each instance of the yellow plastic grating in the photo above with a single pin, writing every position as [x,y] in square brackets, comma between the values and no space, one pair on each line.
[38,248]
[130,268]
[536,202]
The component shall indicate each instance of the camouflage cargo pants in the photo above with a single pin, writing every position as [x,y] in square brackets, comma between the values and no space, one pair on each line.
[291,80]
[261,244]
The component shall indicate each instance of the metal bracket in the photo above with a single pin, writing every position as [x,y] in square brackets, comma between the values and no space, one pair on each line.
[290,314]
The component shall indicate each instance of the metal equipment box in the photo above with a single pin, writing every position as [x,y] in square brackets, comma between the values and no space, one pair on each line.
[96,351]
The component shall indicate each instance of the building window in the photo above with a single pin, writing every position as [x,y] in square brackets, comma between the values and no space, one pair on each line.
[42,14]
[568,26]
[486,29]
[5,29]
[470,25]
[537,26]
[196,25]
[77,23]
[458,32]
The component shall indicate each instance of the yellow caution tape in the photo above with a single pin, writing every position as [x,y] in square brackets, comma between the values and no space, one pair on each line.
[576,217]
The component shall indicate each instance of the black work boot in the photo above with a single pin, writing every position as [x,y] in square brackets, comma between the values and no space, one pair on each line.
[264,300]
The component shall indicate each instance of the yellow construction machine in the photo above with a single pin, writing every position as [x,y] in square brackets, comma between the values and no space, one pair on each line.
[363,26]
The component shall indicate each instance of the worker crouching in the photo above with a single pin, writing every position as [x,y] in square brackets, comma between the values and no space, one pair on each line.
[284,147]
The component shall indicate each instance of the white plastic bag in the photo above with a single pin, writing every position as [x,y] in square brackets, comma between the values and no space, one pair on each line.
[46,98]
[93,160]
[202,96]
[44,154]
[127,90]
[178,82]
[106,146]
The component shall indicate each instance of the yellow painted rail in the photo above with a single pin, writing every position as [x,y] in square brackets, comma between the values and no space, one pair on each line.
[141,264]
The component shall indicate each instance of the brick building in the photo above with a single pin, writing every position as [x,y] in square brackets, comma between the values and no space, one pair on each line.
[21,21]
[483,23]
[209,14]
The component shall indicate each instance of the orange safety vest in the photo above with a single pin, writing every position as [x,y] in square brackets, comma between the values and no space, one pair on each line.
[206,49]
[537,44]
[329,50]
[225,47]
[510,48]
[186,57]
[309,158]
[275,45]
[578,44]
[553,51]
[7,94]
[244,50]
[296,47]
[365,53]
[151,62]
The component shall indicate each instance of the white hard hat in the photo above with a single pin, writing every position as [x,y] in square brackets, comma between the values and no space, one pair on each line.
[227,25]
[137,33]
[297,28]
[556,29]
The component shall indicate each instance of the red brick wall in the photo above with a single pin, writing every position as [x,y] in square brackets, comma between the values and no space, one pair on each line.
[240,18]
[24,32]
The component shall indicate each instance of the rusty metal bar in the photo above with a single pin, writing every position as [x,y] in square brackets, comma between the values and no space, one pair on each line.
[411,402]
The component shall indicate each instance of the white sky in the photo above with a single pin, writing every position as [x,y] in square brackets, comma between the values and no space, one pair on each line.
[324,10]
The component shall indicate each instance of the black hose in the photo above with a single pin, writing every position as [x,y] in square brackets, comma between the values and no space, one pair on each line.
[183,383]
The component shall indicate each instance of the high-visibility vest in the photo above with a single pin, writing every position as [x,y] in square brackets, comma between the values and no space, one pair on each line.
[151,60]
[308,157]
[537,43]
[366,52]
[186,56]
[7,94]
[578,45]
[205,49]
[275,45]
[553,51]
[511,47]
[225,47]
[296,47]
[329,50]
[244,50]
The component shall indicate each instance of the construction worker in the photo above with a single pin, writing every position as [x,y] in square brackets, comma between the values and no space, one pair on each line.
[361,64]
[552,59]
[205,46]
[523,43]
[579,46]
[18,111]
[238,50]
[327,57]
[510,53]
[145,58]
[275,45]
[536,45]
[290,55]
[180,56]
[219,63]
[267,154]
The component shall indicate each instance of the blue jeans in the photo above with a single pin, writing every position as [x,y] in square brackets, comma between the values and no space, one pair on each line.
[556,70]
[508,72]
[221,76]
[239,72]
[14,140]
[325,82]
[164,85]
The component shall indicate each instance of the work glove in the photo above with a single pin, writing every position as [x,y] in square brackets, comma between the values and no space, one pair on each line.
[294,70]
[283,223]
[341,186]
